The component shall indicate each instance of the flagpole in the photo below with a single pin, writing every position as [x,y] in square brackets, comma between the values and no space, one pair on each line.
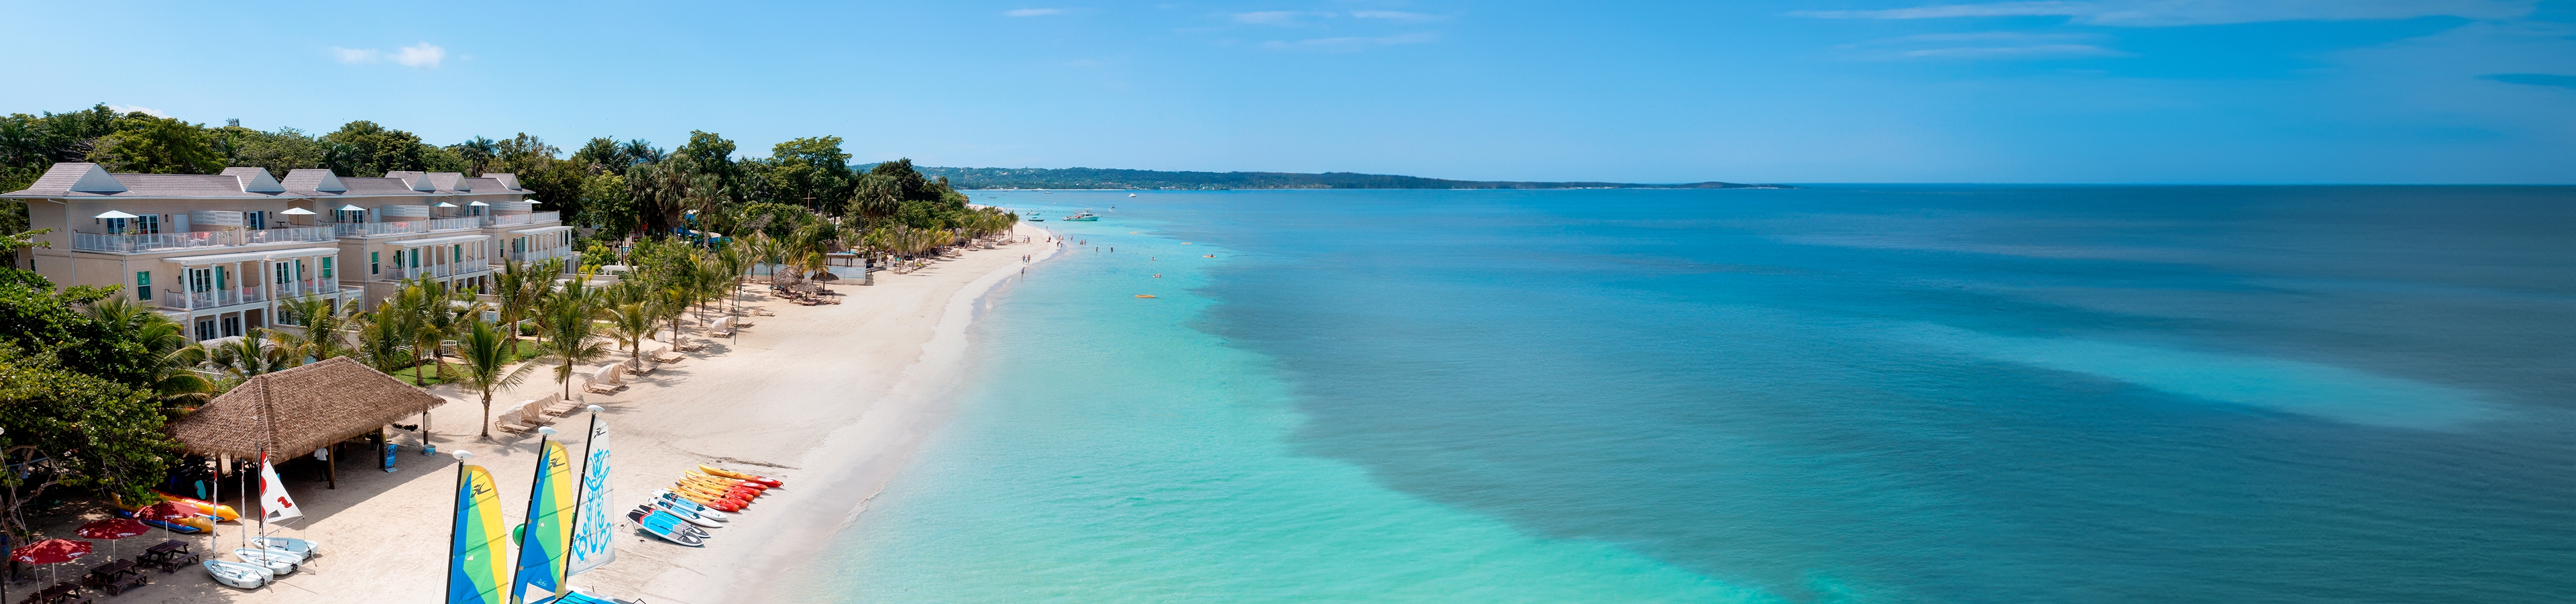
[528,522]
[461,456]
[582,490]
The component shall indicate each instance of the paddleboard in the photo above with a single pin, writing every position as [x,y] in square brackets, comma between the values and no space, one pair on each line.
[662,524]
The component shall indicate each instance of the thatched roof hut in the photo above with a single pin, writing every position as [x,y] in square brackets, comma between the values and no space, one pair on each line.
[296,411]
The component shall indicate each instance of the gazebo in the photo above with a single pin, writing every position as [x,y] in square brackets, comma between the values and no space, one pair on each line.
[300,410]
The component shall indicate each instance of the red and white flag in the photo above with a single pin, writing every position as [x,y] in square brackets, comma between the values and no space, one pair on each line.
[273,503]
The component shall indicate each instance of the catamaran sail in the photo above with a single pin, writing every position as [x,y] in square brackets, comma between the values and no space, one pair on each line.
[274,505]
[549,528]
[594,526]
[478,555]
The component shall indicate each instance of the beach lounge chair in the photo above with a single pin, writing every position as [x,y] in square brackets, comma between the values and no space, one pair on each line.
[609,379]
[687,344]
[533,413]
[513,419]
[556,405]
[664,355]
[723,327]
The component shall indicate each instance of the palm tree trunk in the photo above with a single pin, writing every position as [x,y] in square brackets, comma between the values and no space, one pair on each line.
[487,408]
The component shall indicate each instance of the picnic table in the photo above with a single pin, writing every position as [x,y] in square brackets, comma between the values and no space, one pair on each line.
[169,556]
[64,593]
[115,577]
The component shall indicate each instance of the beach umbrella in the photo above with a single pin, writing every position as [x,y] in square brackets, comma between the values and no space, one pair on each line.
[297,212]
[116,214]
[352,208]
[110,530]
[446,205]
[478,203]
[51,551]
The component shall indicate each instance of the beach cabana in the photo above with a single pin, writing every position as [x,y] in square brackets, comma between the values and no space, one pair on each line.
[301,410]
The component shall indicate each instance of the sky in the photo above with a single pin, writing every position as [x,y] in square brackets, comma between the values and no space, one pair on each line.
[2046,91]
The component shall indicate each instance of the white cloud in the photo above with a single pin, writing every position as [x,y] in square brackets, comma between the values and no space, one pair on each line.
[1032,12]
[1351,44]
[1397,15]
[2037,51]
[355,56]
[2163,13]
[422,55]
[1276,17]
[134,108]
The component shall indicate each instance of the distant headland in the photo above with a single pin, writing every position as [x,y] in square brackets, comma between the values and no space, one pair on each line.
[1102,178]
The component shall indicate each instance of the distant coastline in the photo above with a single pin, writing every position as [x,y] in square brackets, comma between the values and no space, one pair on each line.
[1103,178]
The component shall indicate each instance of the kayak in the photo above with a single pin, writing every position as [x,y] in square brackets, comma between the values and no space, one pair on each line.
[663,524]
[217,510]
[716,471]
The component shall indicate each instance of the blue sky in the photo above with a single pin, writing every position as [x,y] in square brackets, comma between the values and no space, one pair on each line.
[2187,91]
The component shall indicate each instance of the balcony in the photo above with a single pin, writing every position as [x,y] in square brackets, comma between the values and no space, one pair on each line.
[289,290]
[178,300]
[379,229]
[544,254]
[451,224]
[467,267]
[496,220]
[134,244]
[546,217]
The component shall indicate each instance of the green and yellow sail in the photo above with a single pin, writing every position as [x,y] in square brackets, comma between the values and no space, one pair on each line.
[478,556]
[548,533]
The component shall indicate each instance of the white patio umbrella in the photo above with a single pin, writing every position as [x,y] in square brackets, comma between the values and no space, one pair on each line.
[116,214]
[446,205]
[352,208]
[297,212]
[478,203]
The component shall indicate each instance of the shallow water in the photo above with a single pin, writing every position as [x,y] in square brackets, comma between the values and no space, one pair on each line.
[1864,394]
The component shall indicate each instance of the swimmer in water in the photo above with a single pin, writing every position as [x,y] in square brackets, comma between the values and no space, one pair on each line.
[1158,275]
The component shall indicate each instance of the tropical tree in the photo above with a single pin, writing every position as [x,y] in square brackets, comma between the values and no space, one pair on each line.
[520,286]
[249,356]
[485,356]
[630,323]
[566,322]
[171,377]
[325,328]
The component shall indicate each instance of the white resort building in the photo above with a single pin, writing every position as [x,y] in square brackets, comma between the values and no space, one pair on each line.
[218,252]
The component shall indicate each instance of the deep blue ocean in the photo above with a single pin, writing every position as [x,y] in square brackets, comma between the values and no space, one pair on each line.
[1832,394]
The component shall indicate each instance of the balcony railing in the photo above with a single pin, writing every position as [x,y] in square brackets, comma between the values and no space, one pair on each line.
[546,217]
[544,254]
[465,267]
[129,244]
[379,229]
[289,290]
[504,219]
[450,224]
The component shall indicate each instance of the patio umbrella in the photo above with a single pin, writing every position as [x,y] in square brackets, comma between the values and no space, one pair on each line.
[297,212]
[352,208]
[446,205]
[166,511]
[51,551]
[478,203]
[116,214]
[110,530]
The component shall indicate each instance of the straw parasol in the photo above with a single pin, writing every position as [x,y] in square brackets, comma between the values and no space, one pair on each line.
[300,410]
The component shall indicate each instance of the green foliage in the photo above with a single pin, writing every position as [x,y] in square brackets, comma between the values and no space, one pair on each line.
[277,151]
[809,172]
[29,144]
[486,357]
[156,145]
[606,202]
[373,150]
[778,220]
[91,432]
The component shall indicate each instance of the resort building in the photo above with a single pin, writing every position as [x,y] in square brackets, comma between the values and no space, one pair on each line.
[218,252]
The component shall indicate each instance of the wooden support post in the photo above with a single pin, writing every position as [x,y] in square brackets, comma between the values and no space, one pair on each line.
[331,466]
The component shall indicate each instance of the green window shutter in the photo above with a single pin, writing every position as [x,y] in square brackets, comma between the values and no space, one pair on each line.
[326,267]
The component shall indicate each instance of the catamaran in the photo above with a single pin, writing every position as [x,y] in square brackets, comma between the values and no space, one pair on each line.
[1082,216]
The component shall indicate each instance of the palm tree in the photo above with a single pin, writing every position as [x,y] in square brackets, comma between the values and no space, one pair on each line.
[485,357]
[565,321]
[173,379]
[324,329]
[384,344]
[630,323]
[520,286]
[252,355]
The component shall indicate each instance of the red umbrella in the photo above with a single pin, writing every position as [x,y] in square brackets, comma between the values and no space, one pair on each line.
[110,530]
[51,551]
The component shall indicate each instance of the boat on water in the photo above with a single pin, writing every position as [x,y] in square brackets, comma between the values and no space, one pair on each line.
[1082,216]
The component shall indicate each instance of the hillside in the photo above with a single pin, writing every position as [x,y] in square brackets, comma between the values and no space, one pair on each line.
[1100,178]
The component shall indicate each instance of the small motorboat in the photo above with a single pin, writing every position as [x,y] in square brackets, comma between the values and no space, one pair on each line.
[278,561]
[306,549]
[1131,194]
[1084,216]
[236,574]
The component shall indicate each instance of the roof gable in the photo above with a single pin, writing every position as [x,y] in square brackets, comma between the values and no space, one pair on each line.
[507,180]
[314,179]
[255,180]
[78,176]
[451,181]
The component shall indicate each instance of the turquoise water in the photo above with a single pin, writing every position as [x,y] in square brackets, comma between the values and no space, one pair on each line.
[1839,394]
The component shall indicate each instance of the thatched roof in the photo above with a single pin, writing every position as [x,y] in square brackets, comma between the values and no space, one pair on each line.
[295,411]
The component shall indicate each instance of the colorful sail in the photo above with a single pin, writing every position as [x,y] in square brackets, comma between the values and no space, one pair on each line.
[478,557]
[549,528]
[274,505]
[594,536]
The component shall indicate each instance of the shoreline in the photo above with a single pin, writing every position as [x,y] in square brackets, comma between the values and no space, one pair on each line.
[830,399]
[856,461]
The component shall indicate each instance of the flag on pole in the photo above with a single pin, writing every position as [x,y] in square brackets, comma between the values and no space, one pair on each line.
[275,506]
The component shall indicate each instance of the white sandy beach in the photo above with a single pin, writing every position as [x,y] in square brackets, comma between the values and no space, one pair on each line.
[831,399]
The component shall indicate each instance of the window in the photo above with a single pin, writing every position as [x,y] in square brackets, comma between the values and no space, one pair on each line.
[222,277]
[148,224]
[143,285]
[415,258]
[206,329]
[232,326]
[458,253]
[375,263]
[326,267]
[255,220]
[285,272]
